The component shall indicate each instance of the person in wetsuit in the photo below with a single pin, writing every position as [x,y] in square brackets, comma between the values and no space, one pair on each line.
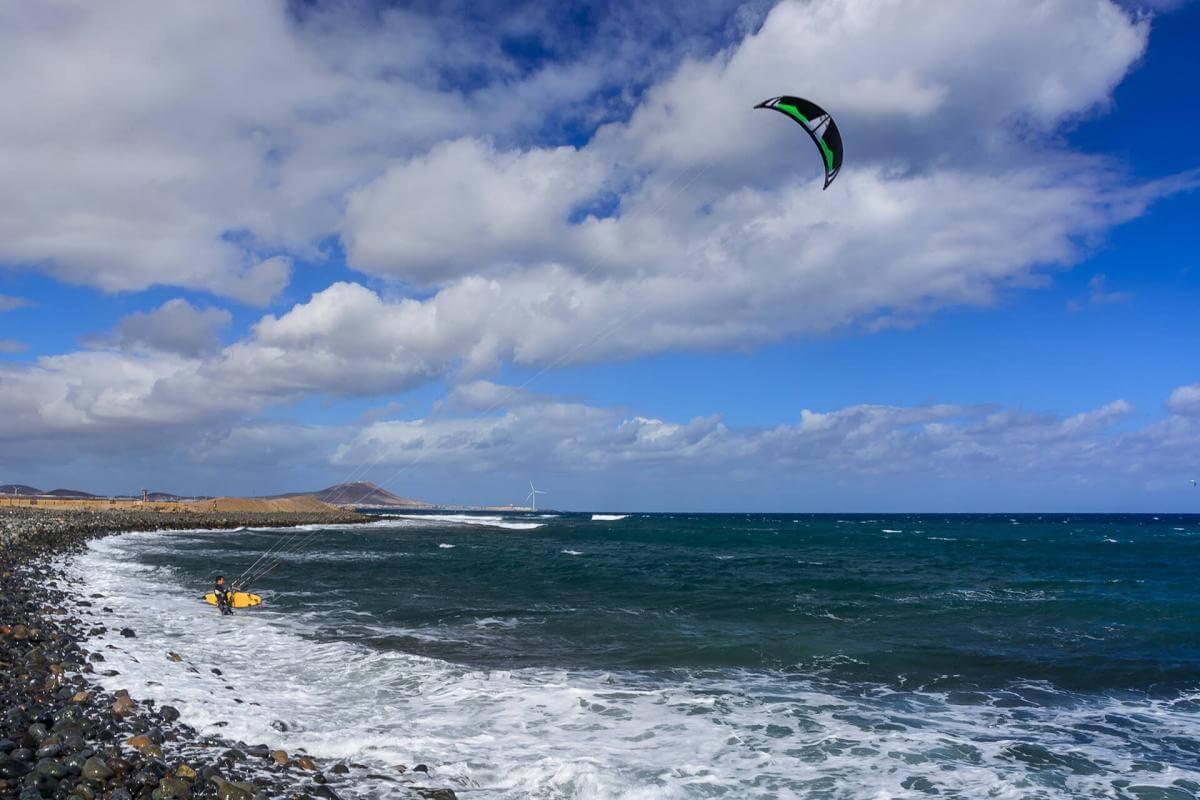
[224,595]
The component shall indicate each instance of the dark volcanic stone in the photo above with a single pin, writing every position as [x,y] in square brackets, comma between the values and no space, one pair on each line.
[51,710]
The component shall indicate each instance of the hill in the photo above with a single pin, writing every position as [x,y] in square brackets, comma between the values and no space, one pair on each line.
[73,493]
[359,493]
[19,488]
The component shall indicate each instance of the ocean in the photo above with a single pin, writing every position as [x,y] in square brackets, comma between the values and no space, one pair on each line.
[656,656]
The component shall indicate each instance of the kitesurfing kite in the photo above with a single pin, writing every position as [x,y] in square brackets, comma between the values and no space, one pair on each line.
[817,124]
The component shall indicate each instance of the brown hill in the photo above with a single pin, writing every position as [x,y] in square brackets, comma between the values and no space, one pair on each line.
[359,493]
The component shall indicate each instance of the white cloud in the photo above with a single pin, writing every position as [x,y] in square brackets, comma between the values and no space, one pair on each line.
[146,142]
[929,444]
[955,191]
[174,327]
[12,346]
[465,205]
[1185,401]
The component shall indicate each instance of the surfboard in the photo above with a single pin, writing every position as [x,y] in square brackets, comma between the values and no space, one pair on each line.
[240,599]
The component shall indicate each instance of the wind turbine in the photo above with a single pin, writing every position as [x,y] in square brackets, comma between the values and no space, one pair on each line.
[532,496]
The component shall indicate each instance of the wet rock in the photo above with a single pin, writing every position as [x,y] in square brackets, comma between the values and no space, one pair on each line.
[172,789]
[421,768]
[232,791]
[169,713]
[437,794]
[306,763]
[185,772]
[138,742]
[280,757]
[128,633]
[51,750]
[174,657]
[96,770]
[339,769]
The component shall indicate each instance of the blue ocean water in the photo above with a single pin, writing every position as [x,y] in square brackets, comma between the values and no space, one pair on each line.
[573,655]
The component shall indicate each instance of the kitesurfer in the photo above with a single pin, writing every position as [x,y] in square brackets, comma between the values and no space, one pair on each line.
[224,595]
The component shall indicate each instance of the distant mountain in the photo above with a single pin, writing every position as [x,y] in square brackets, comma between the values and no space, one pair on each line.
[162,497]
[359,493]
[19,488]
[69,493]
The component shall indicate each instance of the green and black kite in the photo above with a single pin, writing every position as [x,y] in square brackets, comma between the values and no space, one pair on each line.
[817,124]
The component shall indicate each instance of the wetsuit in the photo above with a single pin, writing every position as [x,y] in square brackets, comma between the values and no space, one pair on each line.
[224,596]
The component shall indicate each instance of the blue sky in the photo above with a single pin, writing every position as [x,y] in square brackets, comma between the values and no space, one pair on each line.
[452,249]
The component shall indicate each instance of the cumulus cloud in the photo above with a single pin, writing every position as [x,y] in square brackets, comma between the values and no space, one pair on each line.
[174,327]
[149,142]
[171,143]
[1185,401]
[693,224]
[132,157]
[938,442]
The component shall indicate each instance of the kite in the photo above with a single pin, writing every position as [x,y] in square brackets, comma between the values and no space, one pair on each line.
[818,125]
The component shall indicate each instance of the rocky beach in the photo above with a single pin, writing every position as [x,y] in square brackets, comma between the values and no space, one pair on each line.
[63,736]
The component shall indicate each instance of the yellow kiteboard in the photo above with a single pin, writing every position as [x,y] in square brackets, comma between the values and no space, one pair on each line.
[239,600]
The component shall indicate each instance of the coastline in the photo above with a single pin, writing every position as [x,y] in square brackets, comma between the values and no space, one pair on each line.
[62,735]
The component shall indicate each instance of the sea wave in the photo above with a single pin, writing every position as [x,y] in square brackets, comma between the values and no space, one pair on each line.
[471,519]
[609,517]
[577,734]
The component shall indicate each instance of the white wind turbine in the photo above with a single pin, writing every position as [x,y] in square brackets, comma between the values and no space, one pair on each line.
[532,496]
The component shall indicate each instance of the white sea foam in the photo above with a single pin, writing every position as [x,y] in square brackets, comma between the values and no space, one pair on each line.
[572,552]
[556,734]
[891,530]
[608,517]
[470,519]
[446,546]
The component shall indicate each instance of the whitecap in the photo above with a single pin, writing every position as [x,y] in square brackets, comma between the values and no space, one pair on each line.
[583,734]
[471,519]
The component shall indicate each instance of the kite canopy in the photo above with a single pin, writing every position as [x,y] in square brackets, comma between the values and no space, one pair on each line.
[817,124]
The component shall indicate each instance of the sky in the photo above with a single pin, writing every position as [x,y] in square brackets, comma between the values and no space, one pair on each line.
[451,248]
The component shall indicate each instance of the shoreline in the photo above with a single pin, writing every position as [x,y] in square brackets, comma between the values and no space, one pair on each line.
[63,735]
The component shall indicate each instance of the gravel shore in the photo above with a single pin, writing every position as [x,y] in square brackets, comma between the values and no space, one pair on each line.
[62,736]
